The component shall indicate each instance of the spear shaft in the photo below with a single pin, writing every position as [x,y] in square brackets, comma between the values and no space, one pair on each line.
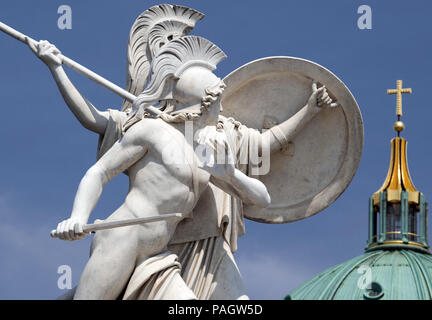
[87,228]
[80,69]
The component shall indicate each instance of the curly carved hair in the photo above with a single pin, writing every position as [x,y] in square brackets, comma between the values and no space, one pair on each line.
[213,93]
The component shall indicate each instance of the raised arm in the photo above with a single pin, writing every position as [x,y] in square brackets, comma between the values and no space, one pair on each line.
[122,155]
[279,135]
[90,117]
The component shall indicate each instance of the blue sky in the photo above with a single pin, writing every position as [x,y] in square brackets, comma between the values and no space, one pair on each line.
[45,151]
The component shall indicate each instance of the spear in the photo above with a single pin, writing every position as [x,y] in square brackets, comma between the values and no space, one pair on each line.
[87,228]
[118,91]
[80,69]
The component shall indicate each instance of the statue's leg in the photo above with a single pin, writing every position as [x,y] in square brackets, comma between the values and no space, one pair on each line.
[209,269]
[110,266]
[178,290]
[158,278]
[229,282]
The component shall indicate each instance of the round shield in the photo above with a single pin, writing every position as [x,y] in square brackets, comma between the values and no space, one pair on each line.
[321,160]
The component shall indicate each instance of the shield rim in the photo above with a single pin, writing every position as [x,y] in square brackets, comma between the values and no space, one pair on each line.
[240,77]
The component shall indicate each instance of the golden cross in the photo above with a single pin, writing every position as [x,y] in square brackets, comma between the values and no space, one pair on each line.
[398,91]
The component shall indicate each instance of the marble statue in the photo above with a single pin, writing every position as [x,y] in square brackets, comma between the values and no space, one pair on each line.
[177,108]
[162,166]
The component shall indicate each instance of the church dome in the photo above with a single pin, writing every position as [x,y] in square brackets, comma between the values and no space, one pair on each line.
[397,264]
[398,274]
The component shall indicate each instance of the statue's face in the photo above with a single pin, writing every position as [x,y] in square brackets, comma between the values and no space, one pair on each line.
[190,88]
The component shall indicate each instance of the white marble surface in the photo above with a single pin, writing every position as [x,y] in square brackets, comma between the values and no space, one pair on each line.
[323,156]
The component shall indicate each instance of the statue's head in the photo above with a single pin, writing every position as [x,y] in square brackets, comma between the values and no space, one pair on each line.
[197,91]
[153,29]
[182,73]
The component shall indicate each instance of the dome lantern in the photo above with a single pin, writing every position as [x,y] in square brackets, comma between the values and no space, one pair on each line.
[397,263]
[398,211]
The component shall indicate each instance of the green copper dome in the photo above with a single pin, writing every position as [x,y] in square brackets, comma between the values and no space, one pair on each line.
[397,264]
[397,274]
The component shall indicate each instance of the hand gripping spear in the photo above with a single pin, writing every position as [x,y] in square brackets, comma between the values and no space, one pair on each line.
[87,228]
[81,69]
[120,92]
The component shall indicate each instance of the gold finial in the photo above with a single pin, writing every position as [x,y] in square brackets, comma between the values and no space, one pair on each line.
[398,176]
[398,91]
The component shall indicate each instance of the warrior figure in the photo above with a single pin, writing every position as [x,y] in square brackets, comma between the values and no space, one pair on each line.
[204,243]
[163,170]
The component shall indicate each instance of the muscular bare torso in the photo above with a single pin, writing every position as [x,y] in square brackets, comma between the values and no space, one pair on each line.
[164,180]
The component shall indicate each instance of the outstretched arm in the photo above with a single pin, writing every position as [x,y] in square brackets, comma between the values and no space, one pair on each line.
[278,136]
[90,117]
[123,154]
